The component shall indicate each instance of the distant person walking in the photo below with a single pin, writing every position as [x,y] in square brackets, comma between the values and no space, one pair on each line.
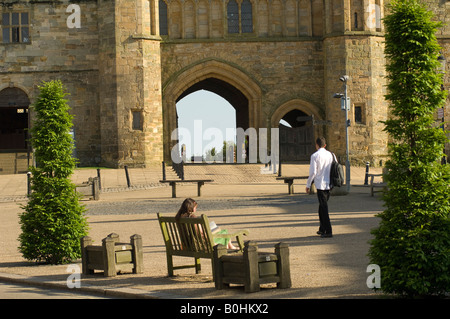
[319,173]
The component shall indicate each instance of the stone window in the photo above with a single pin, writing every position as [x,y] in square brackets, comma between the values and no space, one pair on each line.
[233,16]
[15,27]
[359,114]
[246,17]
[136,120]
[240,17]
[163,25]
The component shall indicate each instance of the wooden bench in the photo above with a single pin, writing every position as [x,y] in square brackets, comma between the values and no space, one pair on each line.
[91,188]
[290,181]
[252,268]
[374,185]
[112,256]
[191,237]
[173,183]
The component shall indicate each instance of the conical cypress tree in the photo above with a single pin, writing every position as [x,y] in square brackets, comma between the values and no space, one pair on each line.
[52,222]
[412,242]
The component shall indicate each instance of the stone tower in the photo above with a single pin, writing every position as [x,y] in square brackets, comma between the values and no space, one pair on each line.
[130,84]
[353,46]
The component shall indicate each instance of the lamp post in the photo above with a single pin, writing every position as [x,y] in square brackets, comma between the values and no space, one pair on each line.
[345,105]
[443,63]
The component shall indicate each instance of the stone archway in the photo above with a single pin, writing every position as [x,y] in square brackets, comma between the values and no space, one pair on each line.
[218,77]
[297,141]
[295,104]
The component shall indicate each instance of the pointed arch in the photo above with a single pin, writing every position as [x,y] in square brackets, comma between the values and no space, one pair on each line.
[295,104]
[200,73]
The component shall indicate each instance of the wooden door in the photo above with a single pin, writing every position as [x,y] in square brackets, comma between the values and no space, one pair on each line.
[296,144]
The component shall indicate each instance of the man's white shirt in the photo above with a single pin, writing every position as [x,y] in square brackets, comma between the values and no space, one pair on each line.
[319,169]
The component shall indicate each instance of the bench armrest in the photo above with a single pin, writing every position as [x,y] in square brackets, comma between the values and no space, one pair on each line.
[238,234]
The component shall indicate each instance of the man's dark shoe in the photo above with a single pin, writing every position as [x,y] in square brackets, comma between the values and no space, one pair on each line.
[324,235]
[319,232]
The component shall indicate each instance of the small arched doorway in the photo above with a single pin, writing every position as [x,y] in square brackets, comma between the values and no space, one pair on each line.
[295,120]
[14,105]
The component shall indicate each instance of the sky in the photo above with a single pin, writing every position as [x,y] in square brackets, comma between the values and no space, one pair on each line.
[199,111]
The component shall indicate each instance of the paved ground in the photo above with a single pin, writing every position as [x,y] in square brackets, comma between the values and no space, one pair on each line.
[26,291]
[320,268]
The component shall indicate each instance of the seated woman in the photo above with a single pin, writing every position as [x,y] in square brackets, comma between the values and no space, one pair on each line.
[188,208]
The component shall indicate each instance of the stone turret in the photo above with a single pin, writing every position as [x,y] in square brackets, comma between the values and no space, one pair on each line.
[353,45]
[129,84]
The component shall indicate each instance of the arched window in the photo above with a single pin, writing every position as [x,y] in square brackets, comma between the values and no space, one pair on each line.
[163,25]
[246,16]
[233,16]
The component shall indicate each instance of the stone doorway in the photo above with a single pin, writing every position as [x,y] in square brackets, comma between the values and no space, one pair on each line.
[296,138]
[14,105]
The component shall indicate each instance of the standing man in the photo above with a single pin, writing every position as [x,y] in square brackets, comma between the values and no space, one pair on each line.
[319,172]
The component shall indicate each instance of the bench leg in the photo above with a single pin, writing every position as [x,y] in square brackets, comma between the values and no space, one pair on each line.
[169,265]
[174,189]
[219,251]
[282,251]
[136,243]
[198,266]
[199,187]
[251,268]
[85,241]
[109,257]
[291,187]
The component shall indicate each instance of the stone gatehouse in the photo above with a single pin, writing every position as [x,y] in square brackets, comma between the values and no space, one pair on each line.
[126,63]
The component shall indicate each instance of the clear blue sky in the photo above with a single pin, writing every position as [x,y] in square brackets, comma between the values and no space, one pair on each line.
[214,112]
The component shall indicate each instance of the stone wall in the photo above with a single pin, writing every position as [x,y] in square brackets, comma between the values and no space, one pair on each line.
[111,68]
[124,78]
[441,9]
[57,52]
[131,92]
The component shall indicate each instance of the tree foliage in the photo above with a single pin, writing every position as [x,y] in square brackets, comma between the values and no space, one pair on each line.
[52,222]
[412,242]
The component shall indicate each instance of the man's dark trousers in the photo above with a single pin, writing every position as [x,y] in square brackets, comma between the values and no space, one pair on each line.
[325,224]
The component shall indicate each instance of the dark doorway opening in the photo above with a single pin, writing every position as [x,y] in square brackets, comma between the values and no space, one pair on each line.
[14,105]
[296,138]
